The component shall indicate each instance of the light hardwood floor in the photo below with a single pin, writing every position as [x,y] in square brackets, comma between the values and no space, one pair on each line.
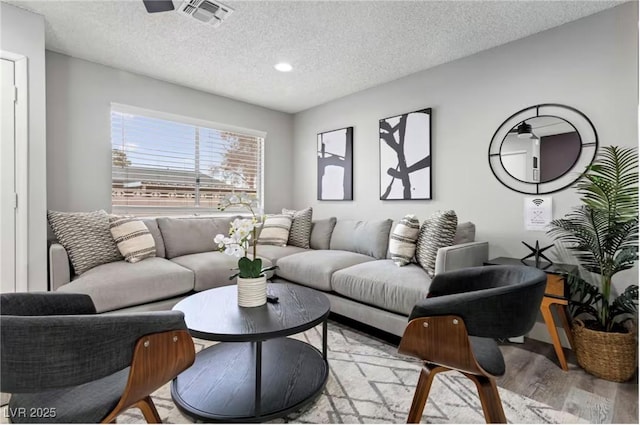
[533,371]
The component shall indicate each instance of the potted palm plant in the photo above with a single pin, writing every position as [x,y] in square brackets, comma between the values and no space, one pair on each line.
[602,235]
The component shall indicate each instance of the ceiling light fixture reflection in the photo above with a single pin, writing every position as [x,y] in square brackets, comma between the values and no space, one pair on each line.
[524,131]
[283,67]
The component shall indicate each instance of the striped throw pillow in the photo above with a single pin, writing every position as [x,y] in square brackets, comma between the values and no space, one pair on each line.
[300,232]
[275,230]
[133,238]
[402,245]
[436,232]
[86,237]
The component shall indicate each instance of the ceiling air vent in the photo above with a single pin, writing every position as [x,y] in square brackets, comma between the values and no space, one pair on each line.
[206,11]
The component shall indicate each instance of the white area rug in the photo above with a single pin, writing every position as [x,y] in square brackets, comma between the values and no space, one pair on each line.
[370,382]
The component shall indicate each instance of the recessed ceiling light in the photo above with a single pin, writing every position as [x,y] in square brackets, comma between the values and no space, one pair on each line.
[283,67]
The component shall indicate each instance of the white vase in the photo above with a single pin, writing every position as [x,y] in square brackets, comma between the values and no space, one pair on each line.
[252,292]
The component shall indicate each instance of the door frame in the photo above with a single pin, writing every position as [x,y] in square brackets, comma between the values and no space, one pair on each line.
[21,167]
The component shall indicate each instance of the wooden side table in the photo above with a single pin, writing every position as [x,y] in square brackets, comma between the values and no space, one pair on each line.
[556,294]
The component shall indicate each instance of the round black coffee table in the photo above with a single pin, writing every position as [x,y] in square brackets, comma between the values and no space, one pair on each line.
[254,374]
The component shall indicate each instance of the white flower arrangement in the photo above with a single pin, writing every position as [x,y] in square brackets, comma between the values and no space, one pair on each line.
[240,234]
[242,231]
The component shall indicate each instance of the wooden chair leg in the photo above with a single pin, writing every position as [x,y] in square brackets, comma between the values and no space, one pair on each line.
[561,309]
[489,398]
[149,410]
[422,392]
[545,309]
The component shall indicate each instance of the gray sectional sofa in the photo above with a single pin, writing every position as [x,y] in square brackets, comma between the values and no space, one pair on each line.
[348,260]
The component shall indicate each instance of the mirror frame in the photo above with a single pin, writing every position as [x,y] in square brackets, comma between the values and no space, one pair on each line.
[588,148]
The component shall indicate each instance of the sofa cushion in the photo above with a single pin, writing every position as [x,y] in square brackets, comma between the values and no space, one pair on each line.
[300,232]
[382,284]
[465,233]
[438,231]
[315,268]
[184,236]
[86,237]
[152,225]
[120,284]
[274,253]
[133,238]
[364,237]
[212,269]
[321,231]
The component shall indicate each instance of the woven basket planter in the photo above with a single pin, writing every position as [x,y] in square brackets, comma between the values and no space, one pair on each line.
[607,355]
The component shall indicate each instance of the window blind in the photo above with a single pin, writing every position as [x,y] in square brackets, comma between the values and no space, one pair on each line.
[162,166]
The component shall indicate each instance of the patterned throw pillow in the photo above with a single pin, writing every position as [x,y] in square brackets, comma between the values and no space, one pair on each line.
[402,244]
[436,232]
[275,230]
[300,232]
[86,237]
[133,238]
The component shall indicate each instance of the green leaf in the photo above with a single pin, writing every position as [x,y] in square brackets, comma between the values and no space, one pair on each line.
[268,269]
[256,267]
[250,269]
[626,303]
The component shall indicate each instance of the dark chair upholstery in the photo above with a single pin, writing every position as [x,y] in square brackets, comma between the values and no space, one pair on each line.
[64,363]
[455,328]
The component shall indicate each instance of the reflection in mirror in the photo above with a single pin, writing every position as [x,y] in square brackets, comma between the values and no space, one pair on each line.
[540,149]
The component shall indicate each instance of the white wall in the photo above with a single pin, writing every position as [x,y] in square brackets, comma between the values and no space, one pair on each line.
[590,64]
[22,32]
[79,94]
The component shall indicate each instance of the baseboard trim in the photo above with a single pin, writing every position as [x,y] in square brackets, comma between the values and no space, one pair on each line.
[541,333]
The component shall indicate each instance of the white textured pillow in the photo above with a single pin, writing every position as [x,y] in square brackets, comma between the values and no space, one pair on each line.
[436,232]
[132,237]
[275,230]
[402,244]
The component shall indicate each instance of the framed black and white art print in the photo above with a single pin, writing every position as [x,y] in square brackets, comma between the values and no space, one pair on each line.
[335,165]
[405,156]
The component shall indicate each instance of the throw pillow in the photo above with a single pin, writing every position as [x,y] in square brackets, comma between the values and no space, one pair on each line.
[300,232]
[466,233]
[436,232]
[275,230]
[86,237]
[133,238]
[402,244]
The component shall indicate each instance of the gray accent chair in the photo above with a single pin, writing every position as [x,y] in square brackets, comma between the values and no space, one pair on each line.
[62,362]
[455,328]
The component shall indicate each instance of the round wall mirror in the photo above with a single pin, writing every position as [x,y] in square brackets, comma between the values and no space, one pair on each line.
[542,149]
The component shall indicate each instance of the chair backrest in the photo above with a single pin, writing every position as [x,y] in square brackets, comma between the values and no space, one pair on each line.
[45,304]
[45,351]
[493,301]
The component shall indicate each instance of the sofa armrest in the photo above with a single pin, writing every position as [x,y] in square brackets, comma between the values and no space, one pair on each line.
[456,257]
[59,269]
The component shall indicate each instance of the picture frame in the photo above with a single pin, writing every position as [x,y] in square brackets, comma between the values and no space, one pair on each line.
[405,156]
[335,165]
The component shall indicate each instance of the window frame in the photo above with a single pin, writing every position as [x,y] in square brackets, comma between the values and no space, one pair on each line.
[149,210]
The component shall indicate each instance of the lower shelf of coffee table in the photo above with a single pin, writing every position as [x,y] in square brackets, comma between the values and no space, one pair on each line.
[220,386]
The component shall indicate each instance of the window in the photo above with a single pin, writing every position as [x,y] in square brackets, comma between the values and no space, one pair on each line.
[163,164]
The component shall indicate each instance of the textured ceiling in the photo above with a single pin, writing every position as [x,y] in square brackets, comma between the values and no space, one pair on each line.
[336,48]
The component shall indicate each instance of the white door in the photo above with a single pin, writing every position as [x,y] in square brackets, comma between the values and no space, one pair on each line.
[7,180]
[516,164]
